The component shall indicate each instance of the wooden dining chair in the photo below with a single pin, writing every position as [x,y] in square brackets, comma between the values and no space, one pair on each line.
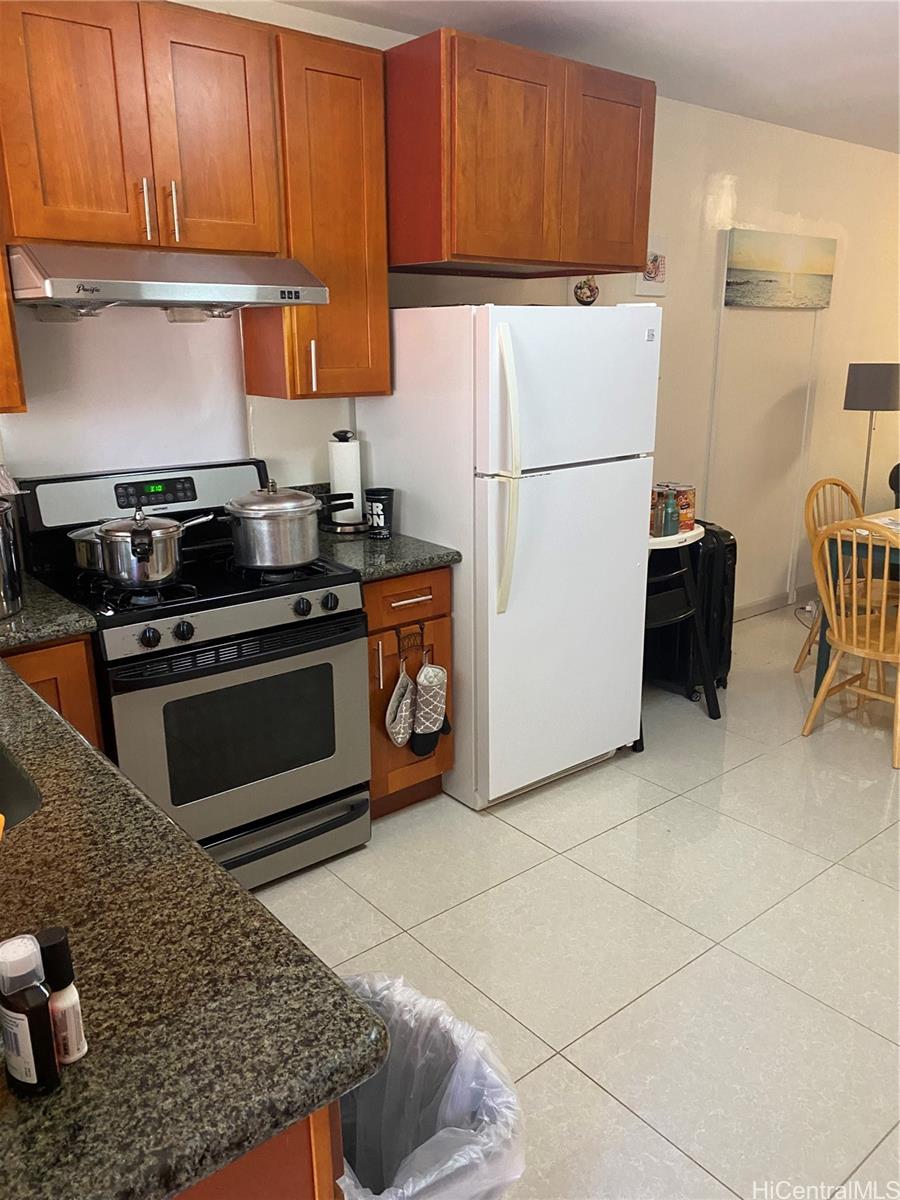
[862,621]
[827,501]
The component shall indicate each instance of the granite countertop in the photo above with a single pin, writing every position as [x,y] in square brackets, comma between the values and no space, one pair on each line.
[398,555]
[210,1027]
[45,617]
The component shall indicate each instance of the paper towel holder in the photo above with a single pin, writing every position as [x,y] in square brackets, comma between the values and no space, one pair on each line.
[330,507]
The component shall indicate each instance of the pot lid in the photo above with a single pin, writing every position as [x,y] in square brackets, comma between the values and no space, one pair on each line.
[273,501]
[123,527]
[87,533]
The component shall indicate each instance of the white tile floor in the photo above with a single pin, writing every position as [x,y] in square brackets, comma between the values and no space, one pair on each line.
[687,958]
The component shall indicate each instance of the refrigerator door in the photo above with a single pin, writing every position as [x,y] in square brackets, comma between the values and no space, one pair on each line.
[558,673]
[579,383]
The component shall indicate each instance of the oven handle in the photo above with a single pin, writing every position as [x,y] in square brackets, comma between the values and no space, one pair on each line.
[353,813]
[137,683]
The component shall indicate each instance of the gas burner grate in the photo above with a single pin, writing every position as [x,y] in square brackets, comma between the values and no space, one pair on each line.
[257,576]
[105,594]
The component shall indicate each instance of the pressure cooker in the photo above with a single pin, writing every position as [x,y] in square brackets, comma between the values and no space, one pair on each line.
[142,551]
[274,528]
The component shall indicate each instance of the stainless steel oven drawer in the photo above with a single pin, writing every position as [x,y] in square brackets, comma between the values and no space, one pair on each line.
[284,845]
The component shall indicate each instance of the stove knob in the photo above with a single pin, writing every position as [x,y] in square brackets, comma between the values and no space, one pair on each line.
[184,631]
[150,637]
[303,607]
[330,602]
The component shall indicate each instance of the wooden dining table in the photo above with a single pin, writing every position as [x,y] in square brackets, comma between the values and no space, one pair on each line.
[824,655]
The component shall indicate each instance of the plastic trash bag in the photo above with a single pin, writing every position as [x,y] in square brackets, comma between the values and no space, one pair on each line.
[440,1120]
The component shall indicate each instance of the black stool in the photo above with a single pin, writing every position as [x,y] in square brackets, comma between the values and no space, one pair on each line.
[672,598]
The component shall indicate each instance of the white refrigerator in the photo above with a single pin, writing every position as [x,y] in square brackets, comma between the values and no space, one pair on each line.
[523,437]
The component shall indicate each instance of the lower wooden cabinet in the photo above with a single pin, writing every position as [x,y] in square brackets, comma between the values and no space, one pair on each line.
[63,676]
[302,1163]
[395,768]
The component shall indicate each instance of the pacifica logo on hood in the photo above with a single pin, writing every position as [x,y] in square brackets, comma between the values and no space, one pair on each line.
[86,289]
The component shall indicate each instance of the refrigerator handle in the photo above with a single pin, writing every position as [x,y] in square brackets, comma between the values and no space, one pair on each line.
[509,543]
[508,362]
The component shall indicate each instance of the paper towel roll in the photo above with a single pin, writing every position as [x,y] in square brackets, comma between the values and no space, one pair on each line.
[343,464]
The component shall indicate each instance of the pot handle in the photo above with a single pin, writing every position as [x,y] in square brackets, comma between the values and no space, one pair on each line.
[197,520]
[141,544]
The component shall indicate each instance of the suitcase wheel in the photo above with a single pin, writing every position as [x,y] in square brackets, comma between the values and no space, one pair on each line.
[696,695]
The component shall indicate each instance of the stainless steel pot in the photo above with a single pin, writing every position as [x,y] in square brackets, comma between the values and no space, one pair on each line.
[274,527]
[142,551]
[88,550]
[10,574]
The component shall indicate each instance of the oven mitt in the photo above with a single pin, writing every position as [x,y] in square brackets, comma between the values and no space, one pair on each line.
[398,720]
[431,710]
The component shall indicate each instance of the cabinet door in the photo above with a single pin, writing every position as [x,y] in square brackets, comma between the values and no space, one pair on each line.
[396,767]
[211,96]
[507,138]
[63,676]
[606,168]
[333,99]
[73,118]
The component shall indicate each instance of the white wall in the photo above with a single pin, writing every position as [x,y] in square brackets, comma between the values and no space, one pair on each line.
[125,389]
[713,170]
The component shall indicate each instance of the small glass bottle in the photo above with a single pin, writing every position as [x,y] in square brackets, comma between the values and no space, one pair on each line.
[31,1067]
[65,1003]
[670,514]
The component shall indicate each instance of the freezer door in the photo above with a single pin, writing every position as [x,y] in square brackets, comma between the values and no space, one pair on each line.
[580,383]
[558,674]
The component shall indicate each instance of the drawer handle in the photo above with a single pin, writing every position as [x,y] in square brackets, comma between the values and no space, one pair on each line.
[411,600]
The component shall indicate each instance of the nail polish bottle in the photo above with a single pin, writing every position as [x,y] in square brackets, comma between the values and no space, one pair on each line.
[65,1003]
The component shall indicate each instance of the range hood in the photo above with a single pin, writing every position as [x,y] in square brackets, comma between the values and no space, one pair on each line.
[87,279]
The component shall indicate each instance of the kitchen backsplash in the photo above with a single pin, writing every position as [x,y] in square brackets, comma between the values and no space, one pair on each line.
[127,388]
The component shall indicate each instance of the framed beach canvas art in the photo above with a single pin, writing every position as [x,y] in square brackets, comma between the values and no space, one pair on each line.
[778,270]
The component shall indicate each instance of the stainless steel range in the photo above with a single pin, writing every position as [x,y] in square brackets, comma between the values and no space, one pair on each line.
[237,700]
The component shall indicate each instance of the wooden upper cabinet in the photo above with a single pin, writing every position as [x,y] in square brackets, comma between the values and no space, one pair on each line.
[507,161]
[332,98]
[73,121]
[606,166]
[506,122]
[210,85]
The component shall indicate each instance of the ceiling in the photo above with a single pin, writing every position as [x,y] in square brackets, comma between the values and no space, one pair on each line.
[825,66]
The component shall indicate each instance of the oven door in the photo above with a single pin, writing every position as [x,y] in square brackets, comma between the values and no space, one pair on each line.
[231,732]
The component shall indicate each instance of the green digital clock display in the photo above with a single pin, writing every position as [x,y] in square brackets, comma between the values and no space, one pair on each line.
[154,487]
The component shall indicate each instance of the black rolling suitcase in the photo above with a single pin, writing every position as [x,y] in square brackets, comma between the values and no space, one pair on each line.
[670,654]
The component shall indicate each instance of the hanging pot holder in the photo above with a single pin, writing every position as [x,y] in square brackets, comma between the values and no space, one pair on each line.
[431,710]
[398,720]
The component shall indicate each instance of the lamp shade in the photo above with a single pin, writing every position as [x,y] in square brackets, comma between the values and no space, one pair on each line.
[873,387]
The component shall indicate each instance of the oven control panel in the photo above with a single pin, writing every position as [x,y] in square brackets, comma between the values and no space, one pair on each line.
[141,493]
[158,633]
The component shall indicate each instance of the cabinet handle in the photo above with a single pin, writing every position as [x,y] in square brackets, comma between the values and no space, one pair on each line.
[313,366]
[380,667]
[175,211]
[145,187]
[412,600]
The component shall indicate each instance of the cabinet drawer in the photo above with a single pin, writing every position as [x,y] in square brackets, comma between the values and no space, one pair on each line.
[408,599]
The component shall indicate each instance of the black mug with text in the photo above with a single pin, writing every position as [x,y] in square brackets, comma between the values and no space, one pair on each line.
[380,512]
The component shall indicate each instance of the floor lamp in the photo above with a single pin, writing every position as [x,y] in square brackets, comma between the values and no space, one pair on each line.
[872,388]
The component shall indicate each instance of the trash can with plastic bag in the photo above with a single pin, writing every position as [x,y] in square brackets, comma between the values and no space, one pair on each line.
[440,1120]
